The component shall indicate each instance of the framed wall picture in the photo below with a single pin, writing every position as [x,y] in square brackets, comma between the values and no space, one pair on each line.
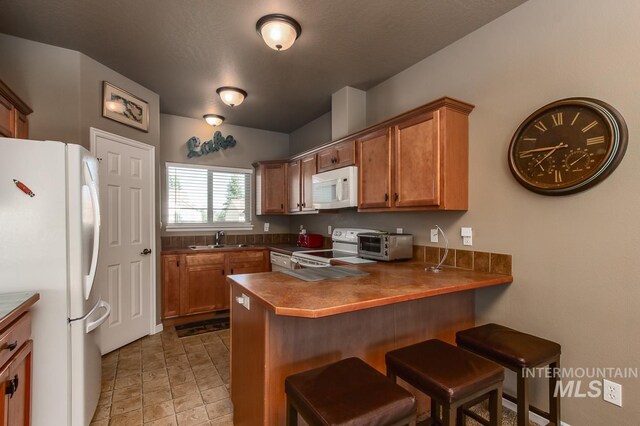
[120,105]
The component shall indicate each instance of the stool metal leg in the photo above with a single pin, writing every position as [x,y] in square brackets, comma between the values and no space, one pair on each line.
[495,407]
[292,414]
[435,415]
[523,400]
[554,401]
[449,415]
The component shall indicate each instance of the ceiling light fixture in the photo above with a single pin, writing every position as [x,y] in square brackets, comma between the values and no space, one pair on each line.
[213,119]
[278,31]
[231,96]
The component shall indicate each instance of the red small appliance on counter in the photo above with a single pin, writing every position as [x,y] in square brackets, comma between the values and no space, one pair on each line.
[310,240]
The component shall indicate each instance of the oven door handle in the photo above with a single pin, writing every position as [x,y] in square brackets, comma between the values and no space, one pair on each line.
[306,264]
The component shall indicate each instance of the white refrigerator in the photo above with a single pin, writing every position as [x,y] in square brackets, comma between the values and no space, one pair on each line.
[49,239]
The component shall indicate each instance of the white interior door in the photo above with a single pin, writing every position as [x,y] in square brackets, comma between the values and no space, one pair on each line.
[126,266]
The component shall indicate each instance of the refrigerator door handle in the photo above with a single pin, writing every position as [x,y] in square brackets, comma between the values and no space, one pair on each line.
[92,325]
[88,283]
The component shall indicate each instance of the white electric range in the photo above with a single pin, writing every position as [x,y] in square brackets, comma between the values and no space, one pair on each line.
[344,248]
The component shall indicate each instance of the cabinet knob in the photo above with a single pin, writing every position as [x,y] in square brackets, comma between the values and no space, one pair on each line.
[303,204]
[12,386]
[298,205]
[386,197]
[11,346]
[395,196]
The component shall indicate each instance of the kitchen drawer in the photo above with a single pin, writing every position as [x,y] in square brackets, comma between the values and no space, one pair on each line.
[246,256]
[205,259]
[14,337]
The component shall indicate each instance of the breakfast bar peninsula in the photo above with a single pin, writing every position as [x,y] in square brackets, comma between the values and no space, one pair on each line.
[282,325]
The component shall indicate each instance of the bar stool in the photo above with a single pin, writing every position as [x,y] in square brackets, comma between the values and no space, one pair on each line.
[348,392]
[517,351]
[451,377]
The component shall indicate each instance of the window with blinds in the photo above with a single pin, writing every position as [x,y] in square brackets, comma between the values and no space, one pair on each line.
[208,196]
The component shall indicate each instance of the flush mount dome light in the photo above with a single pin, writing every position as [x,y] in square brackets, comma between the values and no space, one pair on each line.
[231,96]
[213,119]
[278,31]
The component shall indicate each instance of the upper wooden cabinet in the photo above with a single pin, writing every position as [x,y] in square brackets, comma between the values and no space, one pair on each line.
[335,156]
[300,185]
[13,114]
[271,187]
[416,161]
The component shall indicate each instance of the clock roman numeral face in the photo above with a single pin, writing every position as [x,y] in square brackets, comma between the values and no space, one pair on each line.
[561,147]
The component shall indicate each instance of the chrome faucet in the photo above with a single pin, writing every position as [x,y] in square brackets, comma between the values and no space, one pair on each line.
[217,238]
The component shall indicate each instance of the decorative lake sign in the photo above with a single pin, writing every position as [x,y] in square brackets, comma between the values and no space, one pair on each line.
[216,143]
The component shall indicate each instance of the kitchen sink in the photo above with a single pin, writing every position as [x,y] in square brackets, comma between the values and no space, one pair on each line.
[216,246]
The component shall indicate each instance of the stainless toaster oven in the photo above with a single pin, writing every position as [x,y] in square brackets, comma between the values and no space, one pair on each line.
[385,246]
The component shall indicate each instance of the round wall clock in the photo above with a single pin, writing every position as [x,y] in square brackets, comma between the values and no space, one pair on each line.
[568,146]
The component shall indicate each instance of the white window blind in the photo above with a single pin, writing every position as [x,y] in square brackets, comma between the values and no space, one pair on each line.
[208,196]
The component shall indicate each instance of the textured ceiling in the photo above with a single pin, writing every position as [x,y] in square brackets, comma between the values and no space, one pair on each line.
[184,50]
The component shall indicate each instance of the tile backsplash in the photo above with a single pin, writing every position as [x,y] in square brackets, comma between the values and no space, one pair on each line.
[184,241]
[479,261]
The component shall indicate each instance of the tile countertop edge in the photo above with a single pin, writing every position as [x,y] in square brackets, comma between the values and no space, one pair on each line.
[279,249]
[19,307]
[495,279]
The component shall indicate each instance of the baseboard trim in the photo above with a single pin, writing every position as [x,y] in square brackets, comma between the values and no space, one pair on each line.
[532,416]
[158,328]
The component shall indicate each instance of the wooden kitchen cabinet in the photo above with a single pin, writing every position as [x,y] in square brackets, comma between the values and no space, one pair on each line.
[172,266]
[196,283]
[300,187]
[203,287]
[417,161]
[13,114]
[336,156]
[16,360]
[271,187]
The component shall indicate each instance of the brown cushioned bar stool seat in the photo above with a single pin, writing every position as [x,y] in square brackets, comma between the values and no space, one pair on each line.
[517,351]
[347,392]
[450,376]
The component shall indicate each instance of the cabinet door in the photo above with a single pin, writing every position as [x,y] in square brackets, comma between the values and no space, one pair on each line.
[4,397]
[374,161]
[21,125]
[345,154]
[308,169]
[274,188]
[19,412]
[203,287]
[326,159]
[417,162]
[171,267]
[7,118]
[294,186]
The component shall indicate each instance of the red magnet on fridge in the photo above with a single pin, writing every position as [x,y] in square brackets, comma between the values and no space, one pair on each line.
[24,188]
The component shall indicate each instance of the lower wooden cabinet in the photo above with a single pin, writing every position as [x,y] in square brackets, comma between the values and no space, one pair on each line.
[15,373]
[197,283]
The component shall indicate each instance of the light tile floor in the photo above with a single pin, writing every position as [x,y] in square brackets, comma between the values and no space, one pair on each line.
[165,380]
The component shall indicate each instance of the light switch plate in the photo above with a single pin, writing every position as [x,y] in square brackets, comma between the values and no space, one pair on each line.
[266,227]
[399,231]
[466,231]
[434,235]
[329,230]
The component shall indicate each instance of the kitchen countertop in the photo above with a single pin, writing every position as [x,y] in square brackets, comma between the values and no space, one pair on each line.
[280,248]
[387,283]
[12,305]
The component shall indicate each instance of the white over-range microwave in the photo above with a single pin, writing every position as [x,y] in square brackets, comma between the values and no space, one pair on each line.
[335,189]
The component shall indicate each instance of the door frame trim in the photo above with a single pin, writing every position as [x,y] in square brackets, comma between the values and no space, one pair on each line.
[151,150]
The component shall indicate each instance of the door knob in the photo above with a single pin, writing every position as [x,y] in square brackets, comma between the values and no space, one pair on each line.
[145,252]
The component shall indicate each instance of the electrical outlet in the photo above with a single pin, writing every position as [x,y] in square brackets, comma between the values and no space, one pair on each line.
[399,231]
[329,230]
[434,235]
[266,227]
[612,392]
[467,236]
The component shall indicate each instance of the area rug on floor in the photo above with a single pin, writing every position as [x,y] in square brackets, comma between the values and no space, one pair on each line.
[201,327]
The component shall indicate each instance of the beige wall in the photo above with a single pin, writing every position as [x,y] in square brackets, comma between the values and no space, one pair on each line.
[47,78]
[311,134]
[575,265]
[252,145]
